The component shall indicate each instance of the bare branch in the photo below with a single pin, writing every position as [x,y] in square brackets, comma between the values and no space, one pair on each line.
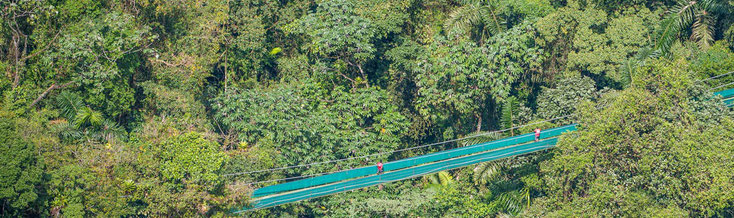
[51,88]
[41,50]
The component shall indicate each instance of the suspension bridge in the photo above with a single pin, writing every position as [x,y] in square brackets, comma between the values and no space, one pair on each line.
[331,183]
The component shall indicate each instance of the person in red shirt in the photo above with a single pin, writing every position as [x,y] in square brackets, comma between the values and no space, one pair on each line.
[537,134]
[379,167]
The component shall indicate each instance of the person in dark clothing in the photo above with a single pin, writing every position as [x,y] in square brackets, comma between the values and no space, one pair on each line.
[537,134]
[379,167]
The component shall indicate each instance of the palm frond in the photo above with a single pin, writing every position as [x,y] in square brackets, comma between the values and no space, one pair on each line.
[525,194]
[462,19]
[442,178]
[685,10]
[87,117]
[509,109]
[626,71]
[715,7]
[632,64]
[66,131]
[69,104]
[679,17]
[486,172]
[511,202]
[667,36]
[476,18]
[700,16]
[445,178]
[108,131]
[702,32]
[490,18]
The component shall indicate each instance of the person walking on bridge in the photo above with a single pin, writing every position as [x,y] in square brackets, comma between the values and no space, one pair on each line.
[537,134]
[379,172]
[379,167]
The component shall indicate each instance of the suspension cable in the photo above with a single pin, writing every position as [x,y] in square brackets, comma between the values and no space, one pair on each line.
[728,84]
[715,77]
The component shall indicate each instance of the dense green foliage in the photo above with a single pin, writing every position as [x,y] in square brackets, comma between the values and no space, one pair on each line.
[22,173]
[161,108]
[649,152]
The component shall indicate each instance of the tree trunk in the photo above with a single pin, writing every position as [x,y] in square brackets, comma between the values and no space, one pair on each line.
[364,77]
[479,122]
[20,56]
[225,72]
[16,56]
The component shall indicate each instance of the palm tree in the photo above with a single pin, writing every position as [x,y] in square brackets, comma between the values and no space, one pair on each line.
[477,18]
[83,121]
[493,173]
[698,15]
